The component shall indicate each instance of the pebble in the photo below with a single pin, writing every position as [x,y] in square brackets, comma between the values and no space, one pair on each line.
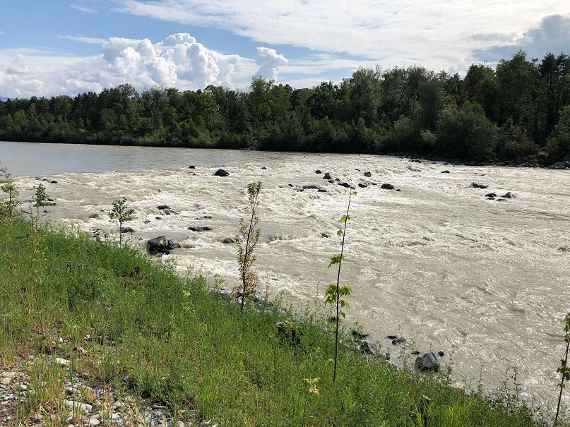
[83,407]
[62,362]
[7,378]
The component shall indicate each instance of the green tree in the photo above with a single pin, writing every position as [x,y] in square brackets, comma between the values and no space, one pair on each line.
[559,144]
[466,134]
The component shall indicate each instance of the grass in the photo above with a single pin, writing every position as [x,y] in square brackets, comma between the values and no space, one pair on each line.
[168,339]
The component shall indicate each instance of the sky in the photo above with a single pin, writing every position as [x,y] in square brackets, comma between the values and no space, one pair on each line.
[53,47]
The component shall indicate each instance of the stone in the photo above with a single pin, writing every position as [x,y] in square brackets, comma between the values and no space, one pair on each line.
[362,185]
[491,195]
[327,176]
[62,362]
[429,362]
[163,207]
[129,230]
[94,216]
[508,195]
[199,228]
[399,340]
[160,245]
[445,171]
[318,172]
[368,174]
[312,187]
[480,186]
[221,173]
[191,167]
[7,378]
[325,235]
[74,406]
[387,187]
[94,421]
[229,241]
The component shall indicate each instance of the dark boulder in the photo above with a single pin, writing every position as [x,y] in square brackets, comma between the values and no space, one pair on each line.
[387,187]
[429,361]
[362,185]
[199,228]
[508,195]
[327,176]
[221,172]
[311,187]
[229,241]
[480,186]
[191,167]
[318,172]
[491,195]
[367,174]
[160,245]
[446,171]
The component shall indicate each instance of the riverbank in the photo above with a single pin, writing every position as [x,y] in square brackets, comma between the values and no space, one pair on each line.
[121,320]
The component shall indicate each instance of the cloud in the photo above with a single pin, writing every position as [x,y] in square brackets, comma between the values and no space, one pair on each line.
[434,33]
[83,9]
[272,60]
[177,61]
[86,40]
[551,36]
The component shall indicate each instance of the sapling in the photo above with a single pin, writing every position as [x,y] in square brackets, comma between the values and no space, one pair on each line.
[336,293]
[246,243]
[39,200]
[10,205]
[121,213]
[564,370]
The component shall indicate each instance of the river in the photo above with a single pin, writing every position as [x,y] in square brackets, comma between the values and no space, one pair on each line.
[485,281]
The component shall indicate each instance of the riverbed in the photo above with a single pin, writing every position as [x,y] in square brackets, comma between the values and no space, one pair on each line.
[483,280]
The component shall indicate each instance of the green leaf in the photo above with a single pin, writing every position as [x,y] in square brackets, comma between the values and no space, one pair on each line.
[344,219]
[336,259]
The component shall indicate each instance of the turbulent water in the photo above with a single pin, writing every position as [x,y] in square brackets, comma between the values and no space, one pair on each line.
[484,281]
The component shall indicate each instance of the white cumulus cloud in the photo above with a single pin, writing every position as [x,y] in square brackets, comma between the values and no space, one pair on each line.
[435,33]
[271,62]
[177,61]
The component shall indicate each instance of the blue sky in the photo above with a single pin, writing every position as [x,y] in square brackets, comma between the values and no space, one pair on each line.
[70,46]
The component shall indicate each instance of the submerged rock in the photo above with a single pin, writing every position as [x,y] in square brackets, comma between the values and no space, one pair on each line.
[327,176]
[199,228]
[221,172]
[508,195]
[480,186]
[387,187]
[445,171]
[367,174]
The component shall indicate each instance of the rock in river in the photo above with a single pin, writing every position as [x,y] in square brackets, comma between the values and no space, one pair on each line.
[221,172]
[161,245]
[429,361]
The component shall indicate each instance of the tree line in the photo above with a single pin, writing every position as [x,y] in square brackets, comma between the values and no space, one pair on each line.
[518,111]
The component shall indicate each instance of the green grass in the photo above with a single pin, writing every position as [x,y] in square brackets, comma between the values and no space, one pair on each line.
[168,339]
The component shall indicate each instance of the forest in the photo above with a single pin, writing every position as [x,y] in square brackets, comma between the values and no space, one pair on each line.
[515,113]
